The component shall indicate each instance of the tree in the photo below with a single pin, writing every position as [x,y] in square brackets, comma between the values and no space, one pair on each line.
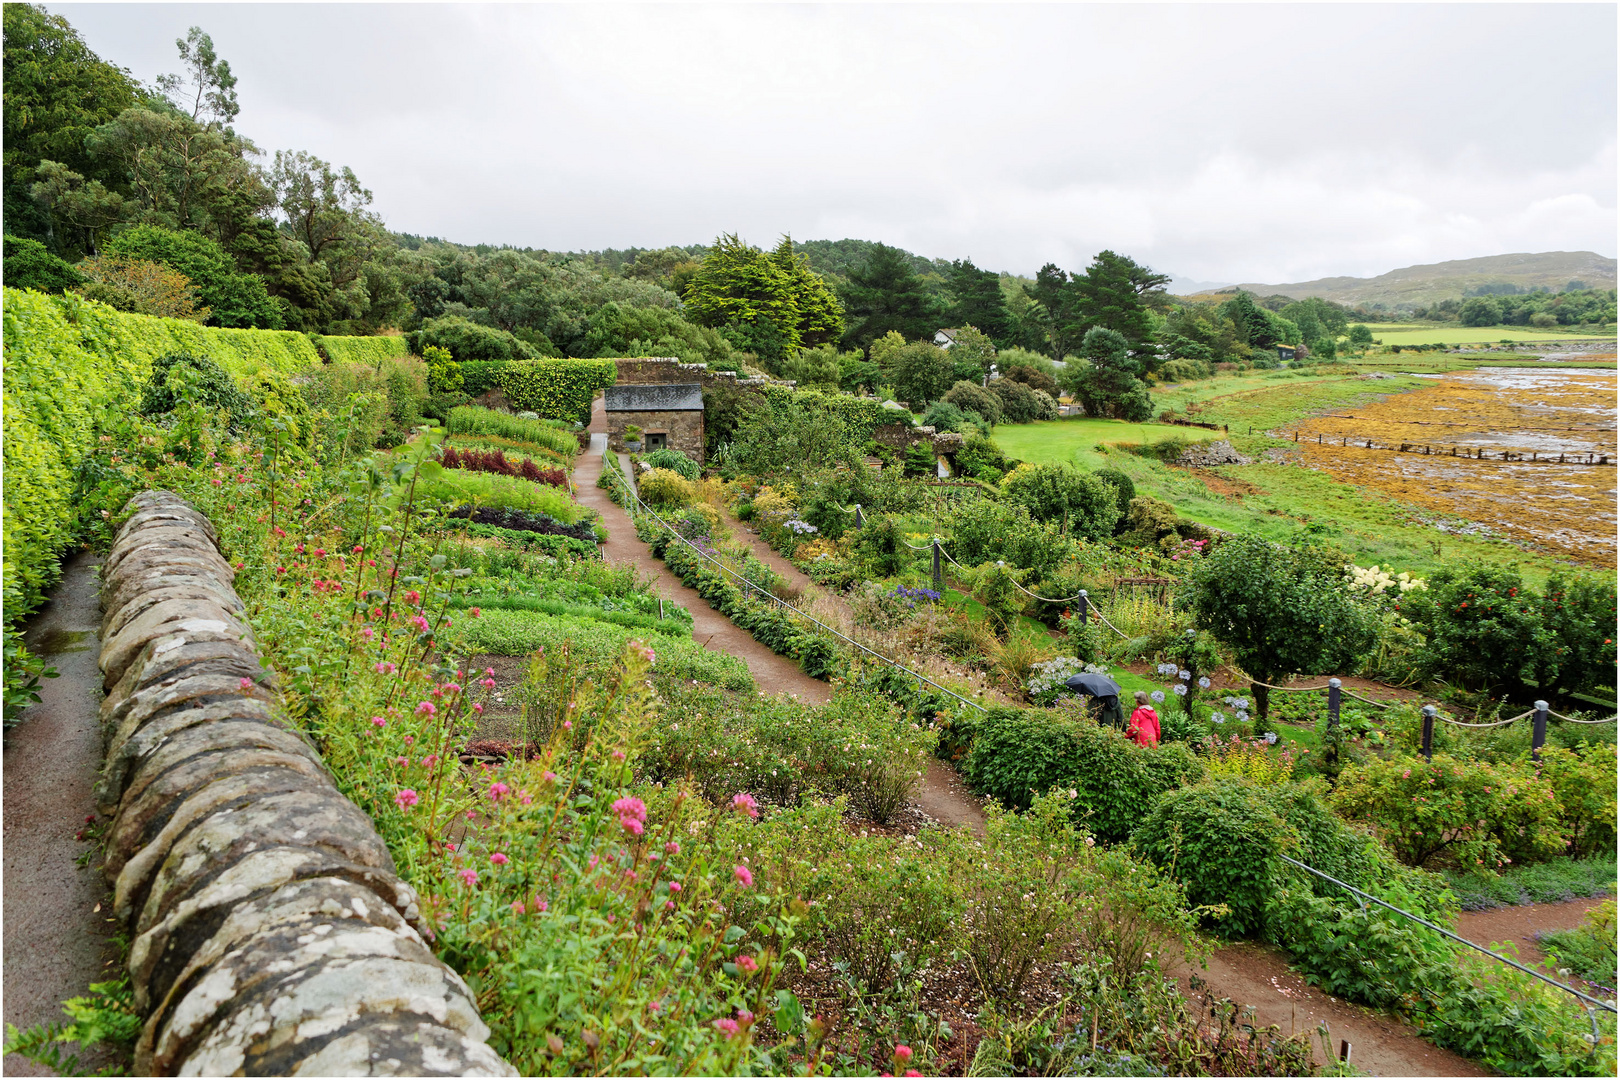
[1116,292]
[467,340]
[1017,401]
[141,286]
[1281,610]
[885,294]
[176,169]
[813,367]
[972,354]
[71,203]
[773,304]
[1083,504]
[1480,311]
[977,300]
[207,84]
[28,265]
[1056,299]
[971,397]
[1032,377]
[821,315]
[1106,378]
[236,299]
[1361,334]
[920,373]
[56,92]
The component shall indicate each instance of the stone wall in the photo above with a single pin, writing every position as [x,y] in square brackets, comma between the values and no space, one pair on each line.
[684,429]
[270,934]
[667,369]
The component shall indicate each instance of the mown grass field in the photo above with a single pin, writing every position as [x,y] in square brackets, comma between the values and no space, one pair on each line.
[1076,439]
[1453,334]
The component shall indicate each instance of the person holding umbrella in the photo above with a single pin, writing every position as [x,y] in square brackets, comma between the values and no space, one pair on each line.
[1144,725]
[1106,691]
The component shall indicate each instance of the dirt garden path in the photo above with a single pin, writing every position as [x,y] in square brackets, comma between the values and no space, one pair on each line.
[56,916]
[943,796]
[1522,923]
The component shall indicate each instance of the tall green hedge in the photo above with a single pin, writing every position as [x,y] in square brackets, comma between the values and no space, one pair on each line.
[861,414]
[70,364]
[558,388]
[361,350]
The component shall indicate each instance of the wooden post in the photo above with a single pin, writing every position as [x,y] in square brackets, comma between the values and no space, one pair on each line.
[1428,732]
[860,518]
[1333,721]
[1538,734]
[1084,607]
[939,576]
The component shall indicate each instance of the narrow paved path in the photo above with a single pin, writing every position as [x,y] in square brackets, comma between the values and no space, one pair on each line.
[57,940]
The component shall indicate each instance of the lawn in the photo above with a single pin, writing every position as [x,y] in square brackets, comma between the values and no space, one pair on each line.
[1075,439]
[1453,334]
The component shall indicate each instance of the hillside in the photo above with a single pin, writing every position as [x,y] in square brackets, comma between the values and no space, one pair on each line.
[1428,284]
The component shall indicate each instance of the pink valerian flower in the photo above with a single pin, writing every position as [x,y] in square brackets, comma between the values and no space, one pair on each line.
[384,667]
[727,1027]
[498,859]
[246,684]
[426,708]
[450,688]
[412,596]
[744,803]
[618,755]
[489,671]
[568,725]
[475,612]
[674,886]
[406,798]
[540,906]
[402,762]
[498,791]
[367,632]
[744,875]
[549,776]
[468,876]
[478,707]
[747,963]
[419,622]
[488,684]
[673,848]
[517,907]
[632,826]
[629,807]
[902,1053]
[379,721]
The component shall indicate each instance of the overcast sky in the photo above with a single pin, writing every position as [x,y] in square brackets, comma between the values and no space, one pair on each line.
[1263,143]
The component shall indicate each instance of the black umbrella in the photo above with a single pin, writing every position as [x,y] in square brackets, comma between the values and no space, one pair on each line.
[1095,685]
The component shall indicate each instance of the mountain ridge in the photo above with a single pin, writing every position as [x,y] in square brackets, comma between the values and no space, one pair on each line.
[1427,283]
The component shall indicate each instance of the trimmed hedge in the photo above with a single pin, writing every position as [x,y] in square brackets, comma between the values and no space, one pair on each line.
[70,364]
[861,414]
[361,350]
[560,388]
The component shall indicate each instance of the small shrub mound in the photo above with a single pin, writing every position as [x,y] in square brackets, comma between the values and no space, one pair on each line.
[675,461]
[1022,753]
[666,487]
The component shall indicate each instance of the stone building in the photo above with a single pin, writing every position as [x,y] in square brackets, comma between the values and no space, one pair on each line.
[668,414]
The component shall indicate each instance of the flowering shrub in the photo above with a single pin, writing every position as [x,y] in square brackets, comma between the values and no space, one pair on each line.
[1471,812]
[1381,580]
[1583,782]
[1047,679]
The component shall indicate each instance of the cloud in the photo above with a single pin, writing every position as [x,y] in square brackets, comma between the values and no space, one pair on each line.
[1230,142]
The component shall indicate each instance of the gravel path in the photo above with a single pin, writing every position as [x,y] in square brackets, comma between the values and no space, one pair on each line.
[56,924]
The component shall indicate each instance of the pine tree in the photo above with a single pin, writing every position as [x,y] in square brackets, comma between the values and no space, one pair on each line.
[886,294]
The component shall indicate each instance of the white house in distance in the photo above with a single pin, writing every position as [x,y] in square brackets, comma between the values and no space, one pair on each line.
[945,338]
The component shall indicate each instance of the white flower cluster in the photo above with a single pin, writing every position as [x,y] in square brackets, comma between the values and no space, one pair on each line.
[803,528]
[1380,579]
[1241,704]
[1052,674]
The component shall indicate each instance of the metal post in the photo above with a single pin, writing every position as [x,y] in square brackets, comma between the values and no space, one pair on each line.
[1538,737]
[1085,607]
[1333,721]
[939,574]
[860,518]
[1428,732]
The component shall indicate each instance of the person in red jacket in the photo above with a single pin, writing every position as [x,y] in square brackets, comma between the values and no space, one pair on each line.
[1144,723]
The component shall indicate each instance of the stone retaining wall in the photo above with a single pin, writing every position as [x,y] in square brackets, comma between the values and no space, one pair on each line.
[270,933]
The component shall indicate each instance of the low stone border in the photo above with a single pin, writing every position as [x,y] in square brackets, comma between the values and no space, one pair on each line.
[271,935]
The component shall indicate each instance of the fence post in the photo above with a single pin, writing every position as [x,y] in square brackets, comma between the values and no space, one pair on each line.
[1333,721]
[1085,607]
[1428,732]
[939,576]
[1538,737]
[860,518]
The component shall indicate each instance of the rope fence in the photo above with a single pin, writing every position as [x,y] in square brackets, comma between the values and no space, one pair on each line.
[1586,1001]
[1334,687]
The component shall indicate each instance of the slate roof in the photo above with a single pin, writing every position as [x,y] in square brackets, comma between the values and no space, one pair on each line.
[654,397]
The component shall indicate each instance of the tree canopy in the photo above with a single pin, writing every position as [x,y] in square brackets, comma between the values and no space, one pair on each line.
[885,294]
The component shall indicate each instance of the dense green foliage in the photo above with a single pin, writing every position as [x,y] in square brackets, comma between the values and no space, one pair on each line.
[1280,610]
[1023,753]
[771,305]
[360,350]
[234,298]
[73,366]
[1106,378]
[28,265]
[562,389]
